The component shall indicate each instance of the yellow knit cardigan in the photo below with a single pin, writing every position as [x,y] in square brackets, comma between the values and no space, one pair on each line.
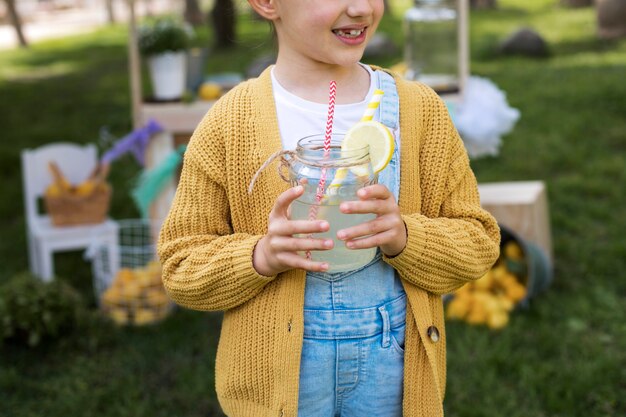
[207,241]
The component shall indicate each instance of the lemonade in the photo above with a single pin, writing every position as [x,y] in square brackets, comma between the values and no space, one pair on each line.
[333,171]
[340,258]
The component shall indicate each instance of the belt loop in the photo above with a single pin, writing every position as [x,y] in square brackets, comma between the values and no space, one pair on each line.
[386,326]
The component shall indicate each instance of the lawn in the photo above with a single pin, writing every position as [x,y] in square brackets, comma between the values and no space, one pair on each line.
[563,356]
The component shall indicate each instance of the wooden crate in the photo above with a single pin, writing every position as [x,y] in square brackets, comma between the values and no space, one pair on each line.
[522,207]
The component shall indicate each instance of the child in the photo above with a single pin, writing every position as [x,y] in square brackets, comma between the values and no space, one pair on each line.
[296,340]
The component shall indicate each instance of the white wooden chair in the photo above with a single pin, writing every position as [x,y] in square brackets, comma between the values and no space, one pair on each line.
[44,239]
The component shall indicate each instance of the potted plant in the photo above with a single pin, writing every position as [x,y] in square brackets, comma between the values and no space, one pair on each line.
[164,42]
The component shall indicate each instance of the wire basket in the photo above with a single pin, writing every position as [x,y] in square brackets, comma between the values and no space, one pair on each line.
[132,293]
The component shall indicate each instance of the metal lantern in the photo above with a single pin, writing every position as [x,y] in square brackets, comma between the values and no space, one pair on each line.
[436,44]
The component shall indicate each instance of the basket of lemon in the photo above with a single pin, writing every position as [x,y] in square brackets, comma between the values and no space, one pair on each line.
[521,273]
[75,204]
[133,293]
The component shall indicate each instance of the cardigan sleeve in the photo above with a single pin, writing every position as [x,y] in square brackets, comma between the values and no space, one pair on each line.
[206,266]
[452,240]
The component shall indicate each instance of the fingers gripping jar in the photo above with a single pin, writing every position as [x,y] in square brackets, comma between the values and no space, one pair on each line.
[329,178]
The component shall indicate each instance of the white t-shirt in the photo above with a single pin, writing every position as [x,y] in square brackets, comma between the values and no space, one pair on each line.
[299,118]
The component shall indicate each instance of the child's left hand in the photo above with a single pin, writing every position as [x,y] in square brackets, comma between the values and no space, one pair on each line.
[386,231]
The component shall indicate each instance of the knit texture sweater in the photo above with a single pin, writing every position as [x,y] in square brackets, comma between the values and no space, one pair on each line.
[207,241]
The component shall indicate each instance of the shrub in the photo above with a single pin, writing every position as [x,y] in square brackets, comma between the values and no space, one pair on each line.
[32,310]
[164,35]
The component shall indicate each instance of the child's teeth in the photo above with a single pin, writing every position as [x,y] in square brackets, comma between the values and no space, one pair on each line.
[352,32]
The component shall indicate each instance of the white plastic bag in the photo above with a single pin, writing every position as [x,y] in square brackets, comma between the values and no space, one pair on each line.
[483,116]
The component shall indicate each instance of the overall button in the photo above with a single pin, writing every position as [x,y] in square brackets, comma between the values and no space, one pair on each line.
[433,334]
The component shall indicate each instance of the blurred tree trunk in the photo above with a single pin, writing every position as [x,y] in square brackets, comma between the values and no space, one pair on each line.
[193,14]
[110,12]
[149,8]
[16,22]
[483,4]
[576,3]
[223,19]
[611,16]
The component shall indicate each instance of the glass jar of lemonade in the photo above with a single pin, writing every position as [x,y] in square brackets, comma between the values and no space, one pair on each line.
[330,178]
[431,29]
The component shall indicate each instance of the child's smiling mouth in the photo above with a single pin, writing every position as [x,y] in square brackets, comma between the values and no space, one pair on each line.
[349,33]
[353,35]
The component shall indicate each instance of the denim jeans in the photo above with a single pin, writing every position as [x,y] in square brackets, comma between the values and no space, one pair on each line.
[352,361]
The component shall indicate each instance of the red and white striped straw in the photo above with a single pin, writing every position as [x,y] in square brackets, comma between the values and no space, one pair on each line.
[332,96]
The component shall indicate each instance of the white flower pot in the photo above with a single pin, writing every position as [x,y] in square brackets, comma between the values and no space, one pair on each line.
[167,72]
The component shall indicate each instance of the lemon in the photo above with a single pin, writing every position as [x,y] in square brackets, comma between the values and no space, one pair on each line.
[513,251]
[377,137]
[119,315]
[144,316]
[497,320]
[209,91]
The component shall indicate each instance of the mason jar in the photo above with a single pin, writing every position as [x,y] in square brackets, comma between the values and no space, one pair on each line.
[329,178]
[431,50]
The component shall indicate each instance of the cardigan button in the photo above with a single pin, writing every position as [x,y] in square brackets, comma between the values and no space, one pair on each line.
[289,326]
[433,334]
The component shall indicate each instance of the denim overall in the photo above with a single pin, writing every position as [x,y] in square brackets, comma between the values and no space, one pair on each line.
[352,355]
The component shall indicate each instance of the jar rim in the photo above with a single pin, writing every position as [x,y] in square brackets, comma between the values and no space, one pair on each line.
[318,140]
[311,149]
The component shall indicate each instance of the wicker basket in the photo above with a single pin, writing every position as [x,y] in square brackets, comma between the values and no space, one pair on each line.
[72,210]
[132,293]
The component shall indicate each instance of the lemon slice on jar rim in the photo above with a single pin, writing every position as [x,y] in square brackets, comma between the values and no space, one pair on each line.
[379,139]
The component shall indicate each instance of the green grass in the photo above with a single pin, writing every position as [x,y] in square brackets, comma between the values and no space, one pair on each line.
[563,356]
[162,370]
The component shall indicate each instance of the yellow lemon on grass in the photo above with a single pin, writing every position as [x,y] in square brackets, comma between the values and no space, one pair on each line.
[144,316]
[119,315]
[379,139]
[209,91]
[458,308]
[497,320]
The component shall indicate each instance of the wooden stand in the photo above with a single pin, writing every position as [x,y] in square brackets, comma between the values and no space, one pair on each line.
[463,39]
[178,119]
[522,207]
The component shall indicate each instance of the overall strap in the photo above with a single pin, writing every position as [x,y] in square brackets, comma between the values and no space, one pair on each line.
[390,103]
[389,115]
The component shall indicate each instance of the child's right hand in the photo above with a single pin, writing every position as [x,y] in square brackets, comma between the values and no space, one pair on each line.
[277,251]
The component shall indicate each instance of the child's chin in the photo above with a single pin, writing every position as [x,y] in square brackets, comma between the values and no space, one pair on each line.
[349,60]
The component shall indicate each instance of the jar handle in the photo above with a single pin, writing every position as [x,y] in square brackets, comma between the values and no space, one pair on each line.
[285,162]
[284,165]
